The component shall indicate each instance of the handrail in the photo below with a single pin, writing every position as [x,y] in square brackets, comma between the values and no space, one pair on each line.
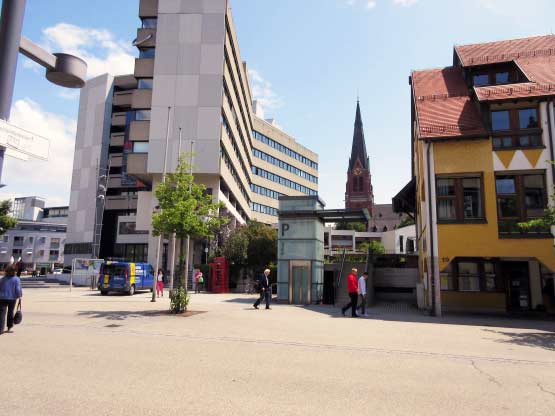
[340,276]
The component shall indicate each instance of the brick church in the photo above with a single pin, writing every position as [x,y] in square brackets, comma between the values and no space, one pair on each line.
[359,192]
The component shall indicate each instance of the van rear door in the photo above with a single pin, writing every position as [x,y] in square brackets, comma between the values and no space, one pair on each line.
[115,275]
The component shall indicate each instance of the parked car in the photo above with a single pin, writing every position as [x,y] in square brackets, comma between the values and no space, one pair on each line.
[67,270]
[57,271]
[120,276]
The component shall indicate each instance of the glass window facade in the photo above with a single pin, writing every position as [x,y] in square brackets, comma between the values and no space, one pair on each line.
[283,181]
[283,149]
[283,165]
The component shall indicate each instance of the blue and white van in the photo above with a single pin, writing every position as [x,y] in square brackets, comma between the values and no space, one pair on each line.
[126,277]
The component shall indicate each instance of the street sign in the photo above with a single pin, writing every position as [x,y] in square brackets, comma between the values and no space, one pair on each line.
[23,142]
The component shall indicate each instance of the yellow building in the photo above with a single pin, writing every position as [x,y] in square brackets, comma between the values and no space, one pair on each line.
[482,136]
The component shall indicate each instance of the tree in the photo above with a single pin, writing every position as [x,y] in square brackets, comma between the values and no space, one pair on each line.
[406,222]
[185,207]
[6,221]
[356,226]
[253,246]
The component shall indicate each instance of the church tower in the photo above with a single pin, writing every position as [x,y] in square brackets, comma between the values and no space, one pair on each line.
[359,192]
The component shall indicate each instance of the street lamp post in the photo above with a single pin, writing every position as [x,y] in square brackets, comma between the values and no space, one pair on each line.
[174,242]
[155,282]
[187,241]
[61,69]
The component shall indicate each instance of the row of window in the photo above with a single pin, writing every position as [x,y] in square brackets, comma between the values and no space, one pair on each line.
[264,209]
[18,252]
[130,228]
[358,184]
[19,241]
[237,124]
[283,149]
[471,276]
[265,191]
[233,141]
[515,128]
[493,78]
[286,166]
[283,181]
[520,197]
[229,164]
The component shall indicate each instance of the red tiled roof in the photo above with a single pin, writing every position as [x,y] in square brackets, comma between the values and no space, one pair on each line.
[507,50]
[540,71]
[443,106]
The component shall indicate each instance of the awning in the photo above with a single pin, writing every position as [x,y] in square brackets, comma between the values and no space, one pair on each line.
[330,215]
[405,201]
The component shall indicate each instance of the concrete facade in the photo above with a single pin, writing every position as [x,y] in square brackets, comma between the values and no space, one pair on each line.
[189,79]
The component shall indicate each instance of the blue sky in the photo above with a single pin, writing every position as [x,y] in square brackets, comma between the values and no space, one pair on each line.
[309,59]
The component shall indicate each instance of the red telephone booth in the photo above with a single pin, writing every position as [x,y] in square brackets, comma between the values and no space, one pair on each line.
[219,275]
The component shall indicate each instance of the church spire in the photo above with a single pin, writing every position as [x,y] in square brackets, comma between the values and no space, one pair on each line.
[358,151]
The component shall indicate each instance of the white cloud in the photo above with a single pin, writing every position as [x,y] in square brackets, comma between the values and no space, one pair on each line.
[263,92]
[98,47]
[371,4]
[50,179]
[69,94]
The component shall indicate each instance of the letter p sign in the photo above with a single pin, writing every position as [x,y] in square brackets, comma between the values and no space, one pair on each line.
[284,228]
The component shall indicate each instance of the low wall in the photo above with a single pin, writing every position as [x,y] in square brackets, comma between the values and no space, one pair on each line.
[480,302]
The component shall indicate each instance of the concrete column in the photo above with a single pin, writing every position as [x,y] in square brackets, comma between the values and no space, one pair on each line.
[536,297]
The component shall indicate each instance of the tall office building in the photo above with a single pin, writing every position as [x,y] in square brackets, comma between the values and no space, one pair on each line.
[190,82]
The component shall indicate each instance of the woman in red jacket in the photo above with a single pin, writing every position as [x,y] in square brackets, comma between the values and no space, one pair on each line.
[352,288]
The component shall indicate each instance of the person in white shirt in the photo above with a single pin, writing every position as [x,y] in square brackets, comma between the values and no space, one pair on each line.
[362,292]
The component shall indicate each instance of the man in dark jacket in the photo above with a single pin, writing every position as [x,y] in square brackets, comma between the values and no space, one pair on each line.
[10,291]
[265,289]
[352,288]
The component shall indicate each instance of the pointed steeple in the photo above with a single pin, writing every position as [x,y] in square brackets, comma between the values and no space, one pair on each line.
[358,151]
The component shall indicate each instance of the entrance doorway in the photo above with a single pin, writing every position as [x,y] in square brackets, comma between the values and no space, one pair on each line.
[517,277]
[299,283]
[329,287]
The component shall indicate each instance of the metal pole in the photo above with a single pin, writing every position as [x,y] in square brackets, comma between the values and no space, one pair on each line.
[11,23]
[187,241]
[155,282]
[174,242]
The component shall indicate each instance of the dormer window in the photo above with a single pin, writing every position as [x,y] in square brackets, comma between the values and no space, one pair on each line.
[497,74]
[481,80]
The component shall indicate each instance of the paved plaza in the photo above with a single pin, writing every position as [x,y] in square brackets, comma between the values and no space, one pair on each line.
[78,353]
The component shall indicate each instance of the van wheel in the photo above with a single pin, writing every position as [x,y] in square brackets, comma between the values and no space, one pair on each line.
[103,292]
[131,290]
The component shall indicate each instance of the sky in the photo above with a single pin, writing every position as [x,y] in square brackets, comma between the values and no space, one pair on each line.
[308,61]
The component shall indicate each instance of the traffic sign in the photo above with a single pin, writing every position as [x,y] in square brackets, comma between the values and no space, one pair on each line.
[23,142]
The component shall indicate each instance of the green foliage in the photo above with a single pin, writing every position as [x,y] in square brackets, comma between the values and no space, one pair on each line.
[179,299]
[185,208]
[376,247]
[253,246]
[406,222]
[235,248]
[357,226]
[6,222]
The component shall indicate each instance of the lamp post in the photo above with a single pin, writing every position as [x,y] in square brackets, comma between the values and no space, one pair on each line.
[187,241]
[61,69]
[159,242]
[174,242]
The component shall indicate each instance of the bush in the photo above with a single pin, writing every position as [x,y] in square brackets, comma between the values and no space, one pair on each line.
[179,299]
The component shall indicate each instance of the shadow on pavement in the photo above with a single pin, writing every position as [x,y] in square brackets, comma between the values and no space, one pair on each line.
[403,312]
[545,340]
[123,315]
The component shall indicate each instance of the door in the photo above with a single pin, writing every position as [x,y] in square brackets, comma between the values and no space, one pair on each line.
[518,285]
[300,283]
[329,287]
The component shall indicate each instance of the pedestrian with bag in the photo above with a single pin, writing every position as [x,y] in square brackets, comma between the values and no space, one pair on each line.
[362,293]
[352,288]
[265,290]
[200,282]
[10,292]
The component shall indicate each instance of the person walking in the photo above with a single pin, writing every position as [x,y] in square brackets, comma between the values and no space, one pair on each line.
[200,282]
[265,290]
[352,288]
[10,291]
[160,283]
[362,293]
[19,267]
